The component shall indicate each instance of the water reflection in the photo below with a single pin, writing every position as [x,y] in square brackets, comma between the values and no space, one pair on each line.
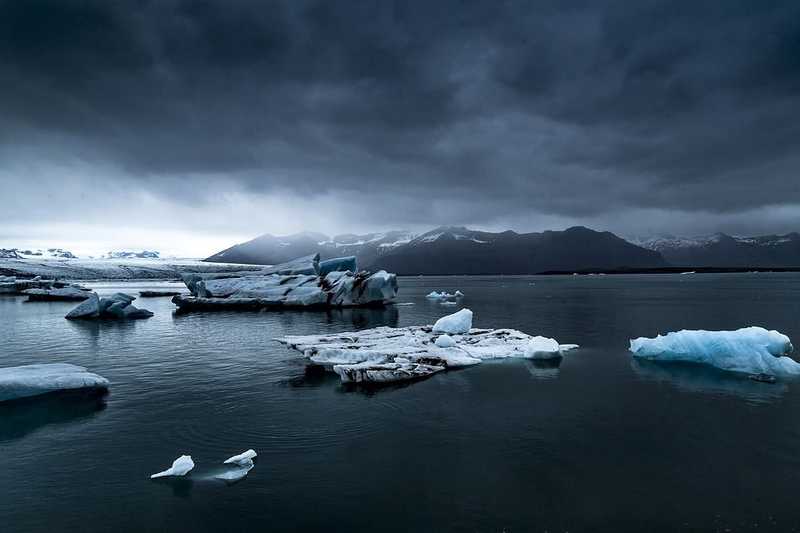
[365,317]
[181,486]
[544,368]
[705,379]
[19,418]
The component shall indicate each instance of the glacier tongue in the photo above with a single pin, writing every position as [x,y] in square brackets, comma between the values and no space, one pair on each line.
[752,350]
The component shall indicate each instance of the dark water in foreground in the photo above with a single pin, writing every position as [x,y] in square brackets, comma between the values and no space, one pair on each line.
[599,443]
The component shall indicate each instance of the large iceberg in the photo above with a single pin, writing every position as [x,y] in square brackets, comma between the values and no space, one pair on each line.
[291,286]
[751,350]
[32,380]
[384,354]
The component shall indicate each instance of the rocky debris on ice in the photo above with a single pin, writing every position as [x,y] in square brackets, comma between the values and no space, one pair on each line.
[385,355]
[751,350]
[180,467]
[71,293]
[116,306]
[34,380]
[291,286]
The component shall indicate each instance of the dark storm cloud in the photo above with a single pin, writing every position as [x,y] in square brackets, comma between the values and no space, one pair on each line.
[568,109]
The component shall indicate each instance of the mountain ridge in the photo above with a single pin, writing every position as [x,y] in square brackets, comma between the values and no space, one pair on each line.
[455,250]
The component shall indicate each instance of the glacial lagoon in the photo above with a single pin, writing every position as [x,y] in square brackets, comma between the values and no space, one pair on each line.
[594,441]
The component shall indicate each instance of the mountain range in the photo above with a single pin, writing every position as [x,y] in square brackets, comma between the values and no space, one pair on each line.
[721,250]
[455,250]
[458,250]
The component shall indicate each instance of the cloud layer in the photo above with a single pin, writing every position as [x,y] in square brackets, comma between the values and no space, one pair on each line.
[237,118]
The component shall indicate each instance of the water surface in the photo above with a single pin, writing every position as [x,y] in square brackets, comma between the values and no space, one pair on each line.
[599,442]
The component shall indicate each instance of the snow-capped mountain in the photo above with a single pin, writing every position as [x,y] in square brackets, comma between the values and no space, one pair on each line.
[49,253]
[722,250]
[455,250]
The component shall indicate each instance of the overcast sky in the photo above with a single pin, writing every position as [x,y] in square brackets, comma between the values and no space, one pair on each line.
[188,126]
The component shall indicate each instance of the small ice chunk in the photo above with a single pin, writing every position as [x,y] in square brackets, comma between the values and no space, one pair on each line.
[457,323]
[448,303]
[567,347]
[459,294]
[445,341]
[542,348]
[180,467]
[752,350]
[243,458]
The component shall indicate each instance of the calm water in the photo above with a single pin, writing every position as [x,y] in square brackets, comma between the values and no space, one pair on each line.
[597,443]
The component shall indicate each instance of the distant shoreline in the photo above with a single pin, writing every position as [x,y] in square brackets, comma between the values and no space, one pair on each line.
[618,271]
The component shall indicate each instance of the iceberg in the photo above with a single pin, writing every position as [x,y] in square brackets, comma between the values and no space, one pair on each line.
[180,467]
[33,380]
[752,350]
[325,287]
[115,306]
[243,458]
[71,293]
[459,322]
[387,355]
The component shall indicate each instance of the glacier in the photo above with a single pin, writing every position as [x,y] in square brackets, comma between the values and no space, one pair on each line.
[303,282]
[33,380]
[387,355]
[752,350]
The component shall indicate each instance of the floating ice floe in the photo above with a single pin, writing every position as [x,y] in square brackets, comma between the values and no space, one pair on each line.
[34,380]
[243,458]
[116,306]
[71,293]
[180,467]
[384,354]
[751,350]
[242,464]
[433,295]
[325,286]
